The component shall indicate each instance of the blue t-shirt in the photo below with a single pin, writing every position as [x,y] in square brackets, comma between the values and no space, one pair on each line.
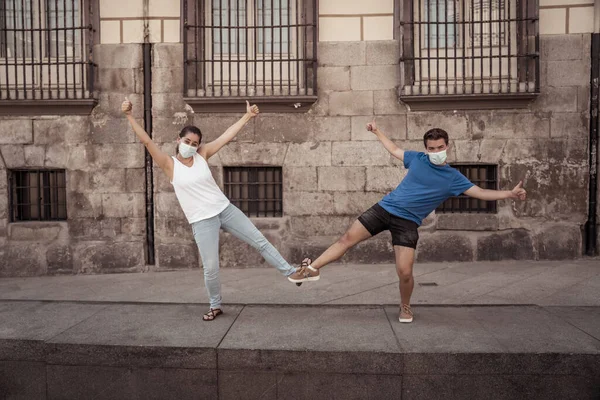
[425,187]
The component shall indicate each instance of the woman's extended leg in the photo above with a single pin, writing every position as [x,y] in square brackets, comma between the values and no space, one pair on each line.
[206,234]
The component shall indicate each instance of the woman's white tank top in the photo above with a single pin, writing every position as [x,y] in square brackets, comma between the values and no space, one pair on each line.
[198,193]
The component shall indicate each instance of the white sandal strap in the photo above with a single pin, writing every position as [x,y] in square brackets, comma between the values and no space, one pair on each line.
[312,269]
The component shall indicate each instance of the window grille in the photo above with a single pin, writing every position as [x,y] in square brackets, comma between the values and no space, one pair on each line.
[257,191]
[470,47]
[484,176]
[260,48]
[45,49]
[37,195]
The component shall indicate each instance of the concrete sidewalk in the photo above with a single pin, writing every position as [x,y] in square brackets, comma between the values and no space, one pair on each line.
[564,283]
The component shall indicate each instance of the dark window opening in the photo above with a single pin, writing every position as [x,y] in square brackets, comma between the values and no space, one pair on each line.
[37,195]
[257,191]
[484,176]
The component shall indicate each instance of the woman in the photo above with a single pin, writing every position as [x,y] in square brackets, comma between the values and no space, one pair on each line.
[204,204]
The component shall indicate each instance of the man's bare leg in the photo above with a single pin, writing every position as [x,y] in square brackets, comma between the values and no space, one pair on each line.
[405,258]
[354,235]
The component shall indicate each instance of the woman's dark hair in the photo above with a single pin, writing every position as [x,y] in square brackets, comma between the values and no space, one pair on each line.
[189,129]
[435,134]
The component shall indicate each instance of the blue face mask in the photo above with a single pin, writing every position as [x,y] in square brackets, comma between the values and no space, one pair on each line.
[186,150]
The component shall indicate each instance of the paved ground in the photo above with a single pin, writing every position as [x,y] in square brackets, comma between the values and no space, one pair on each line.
[564,283]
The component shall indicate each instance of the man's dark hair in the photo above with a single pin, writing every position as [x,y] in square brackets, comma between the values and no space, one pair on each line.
[435,134]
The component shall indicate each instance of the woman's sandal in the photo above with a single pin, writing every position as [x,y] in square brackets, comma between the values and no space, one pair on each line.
[212,314]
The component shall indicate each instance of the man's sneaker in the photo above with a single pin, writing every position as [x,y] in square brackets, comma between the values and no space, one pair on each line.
[305,274]
[406,314]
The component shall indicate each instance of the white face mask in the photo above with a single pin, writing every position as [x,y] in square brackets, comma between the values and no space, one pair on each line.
[186,150]
[438,158]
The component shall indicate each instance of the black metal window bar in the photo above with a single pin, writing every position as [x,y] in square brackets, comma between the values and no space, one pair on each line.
[257,191]
[46,49]
[484,176]
[241,48]
[37,195]
[470,47]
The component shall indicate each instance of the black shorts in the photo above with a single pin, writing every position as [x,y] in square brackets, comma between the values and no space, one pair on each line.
[404,232]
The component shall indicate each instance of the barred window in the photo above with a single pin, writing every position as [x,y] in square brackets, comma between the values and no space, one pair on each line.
[45,49]
[482,175]
[470,47]
[257,191]
[260,48]
[37,195]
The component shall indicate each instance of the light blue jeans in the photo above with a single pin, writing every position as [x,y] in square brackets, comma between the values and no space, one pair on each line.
[232,220]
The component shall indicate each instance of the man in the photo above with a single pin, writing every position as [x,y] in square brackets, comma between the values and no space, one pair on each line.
[429,182]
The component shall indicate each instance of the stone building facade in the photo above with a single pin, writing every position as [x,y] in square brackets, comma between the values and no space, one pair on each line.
[332,168]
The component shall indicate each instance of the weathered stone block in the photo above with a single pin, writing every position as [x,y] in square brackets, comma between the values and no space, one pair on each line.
[562,47]
[22,260]
[16,131]
[13,155]
[109,106]
[94,228]
[170,230]
[166,130]
[168,104]
[167,80]
[164,54]
[161,181]
[57,156]
[341,178]
[135,180]
[115,130]
[384,179]
[37,231]
[3,178]
[34,155]
[301,128]
[213,126]
[346,203]
[453,123]
[394,127]
[253,154]
[59,259]
[359,153]
[133,226]
[559,242]
[62,130]
[440,247]
[237,254]
[583,98]
[93,257]
[386,103]
[525,150]
[308,203]
[374,77]
[557,99]
[309,226]
[383,52]
[119,55]
[351,103]
[308,154]
[499,125]
[116,80]
[568,73]
[117,156]
[479,151]
[177,256]
[342,53]
[84,205]
[167,205]
[123,205]
[333,78]
[515,244]
[107,180]
[467,222]
[572,125]
[299,179]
